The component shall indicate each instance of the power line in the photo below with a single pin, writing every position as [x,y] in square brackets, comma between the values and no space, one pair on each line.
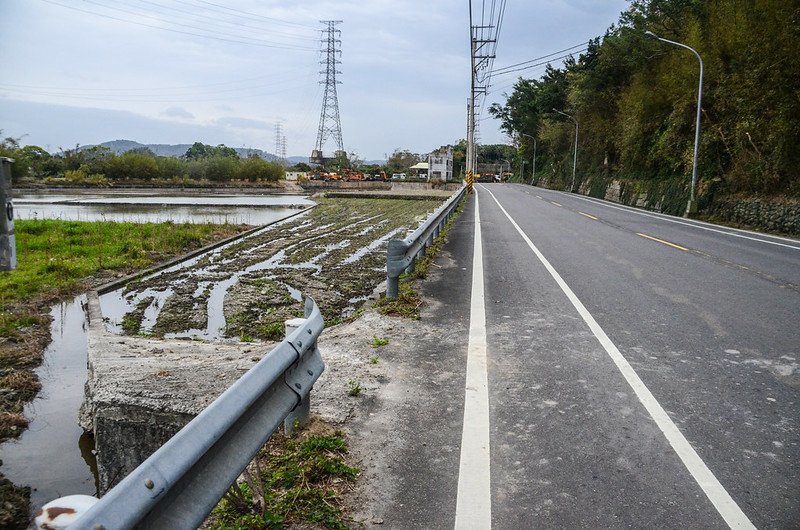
[180,24]
[249,14]
[543,63]
[536,59]
[219,22]
[266,44]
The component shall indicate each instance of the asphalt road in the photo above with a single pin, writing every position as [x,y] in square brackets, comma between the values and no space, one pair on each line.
[639,370]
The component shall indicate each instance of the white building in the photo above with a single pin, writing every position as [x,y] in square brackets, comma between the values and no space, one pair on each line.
[296,175]
[440,163]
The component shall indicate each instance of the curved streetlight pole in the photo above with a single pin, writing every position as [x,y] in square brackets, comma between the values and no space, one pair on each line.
[691,208]
[575,156]
[533,174]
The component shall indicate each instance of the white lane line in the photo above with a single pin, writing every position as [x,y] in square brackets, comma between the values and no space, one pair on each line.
[695,224]
[474,502]
[715,492]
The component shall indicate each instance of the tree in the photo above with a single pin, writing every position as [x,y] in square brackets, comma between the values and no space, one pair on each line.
[401,161]
[255,168]
[132,166]
[200,150]
[635,100]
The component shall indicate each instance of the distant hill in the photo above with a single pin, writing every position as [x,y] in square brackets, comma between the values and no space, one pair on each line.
[175,150]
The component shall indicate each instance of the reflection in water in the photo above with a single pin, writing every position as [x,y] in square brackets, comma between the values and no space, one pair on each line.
[86,446]
[236,209]
[54,456]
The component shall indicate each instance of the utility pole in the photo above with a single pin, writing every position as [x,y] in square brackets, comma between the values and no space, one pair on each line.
[480,62]
[471,104]
[329,122]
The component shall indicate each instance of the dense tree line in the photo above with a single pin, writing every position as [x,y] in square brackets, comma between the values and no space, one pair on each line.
[99,165]
[635,98]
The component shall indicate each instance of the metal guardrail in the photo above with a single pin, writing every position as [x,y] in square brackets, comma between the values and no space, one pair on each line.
[179,484]
[402,254]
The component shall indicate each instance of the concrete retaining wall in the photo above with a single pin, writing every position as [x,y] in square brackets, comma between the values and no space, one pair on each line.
[141,391]
[775,216]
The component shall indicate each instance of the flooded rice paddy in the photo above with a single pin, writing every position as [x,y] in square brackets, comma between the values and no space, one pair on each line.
[245,290]
[157,208]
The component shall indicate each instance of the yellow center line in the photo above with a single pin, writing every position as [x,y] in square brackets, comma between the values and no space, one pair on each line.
[662,241]
[589,216]
[552,202]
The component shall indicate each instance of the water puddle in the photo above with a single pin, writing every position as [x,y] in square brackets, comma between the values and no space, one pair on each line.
[54,456]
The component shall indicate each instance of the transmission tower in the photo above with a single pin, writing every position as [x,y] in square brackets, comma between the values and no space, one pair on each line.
[280,142]
[329,123]
[278,135]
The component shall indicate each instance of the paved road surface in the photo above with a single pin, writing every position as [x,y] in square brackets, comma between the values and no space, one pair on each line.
[627,369]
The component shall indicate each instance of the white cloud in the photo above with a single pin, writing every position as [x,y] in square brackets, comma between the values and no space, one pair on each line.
[177,112]
[404,63]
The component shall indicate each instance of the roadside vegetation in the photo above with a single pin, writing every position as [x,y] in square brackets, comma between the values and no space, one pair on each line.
[57,260]
[294,481]
[408,301]
[99,166]
[635,100]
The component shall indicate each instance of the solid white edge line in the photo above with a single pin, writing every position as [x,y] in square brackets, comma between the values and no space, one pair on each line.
[694,224]
[473,501]
[716,493]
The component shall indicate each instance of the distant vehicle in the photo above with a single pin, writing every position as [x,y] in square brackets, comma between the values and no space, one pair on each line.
[398,176]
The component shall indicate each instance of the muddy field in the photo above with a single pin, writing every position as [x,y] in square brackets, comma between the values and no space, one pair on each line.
[335,253]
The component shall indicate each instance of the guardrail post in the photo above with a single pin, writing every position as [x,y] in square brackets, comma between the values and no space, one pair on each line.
[299,416]
[8,244]
[394,254]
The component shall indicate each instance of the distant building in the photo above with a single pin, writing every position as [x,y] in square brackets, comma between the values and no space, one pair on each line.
[296,175]
[440,163]
[420,170]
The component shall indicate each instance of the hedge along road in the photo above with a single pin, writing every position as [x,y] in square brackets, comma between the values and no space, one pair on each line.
[640,370]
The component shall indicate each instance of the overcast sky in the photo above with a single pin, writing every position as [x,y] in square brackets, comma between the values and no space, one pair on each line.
[226,71]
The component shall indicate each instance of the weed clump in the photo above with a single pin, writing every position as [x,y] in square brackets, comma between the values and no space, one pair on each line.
[354,388]
[293,481]
[378,342]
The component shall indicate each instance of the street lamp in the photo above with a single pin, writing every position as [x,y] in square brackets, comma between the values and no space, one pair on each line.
[691,208]
[522,172]
[575,156]
[533,175]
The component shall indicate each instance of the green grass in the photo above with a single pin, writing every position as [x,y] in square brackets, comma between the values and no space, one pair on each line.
[377,342]
[406,304]
[58,255]
[293,481]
